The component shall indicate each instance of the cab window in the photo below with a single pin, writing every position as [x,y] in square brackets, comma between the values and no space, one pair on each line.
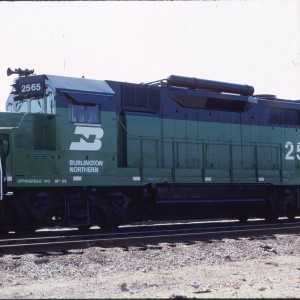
[85,113]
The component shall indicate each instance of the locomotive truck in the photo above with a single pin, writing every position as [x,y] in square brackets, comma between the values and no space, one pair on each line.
[79,152]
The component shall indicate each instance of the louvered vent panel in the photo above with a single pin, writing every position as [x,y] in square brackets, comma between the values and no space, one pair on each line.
[140,98]
[40,155]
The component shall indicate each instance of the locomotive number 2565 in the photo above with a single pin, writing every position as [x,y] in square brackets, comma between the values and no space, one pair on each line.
[292,151]
[33,87]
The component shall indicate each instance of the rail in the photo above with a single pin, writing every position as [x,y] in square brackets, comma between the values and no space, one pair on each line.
[131,235]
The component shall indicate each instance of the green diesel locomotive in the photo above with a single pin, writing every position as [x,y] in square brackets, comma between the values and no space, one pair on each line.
[80,152]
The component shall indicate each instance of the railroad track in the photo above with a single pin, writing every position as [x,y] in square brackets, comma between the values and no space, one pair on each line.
[142,235]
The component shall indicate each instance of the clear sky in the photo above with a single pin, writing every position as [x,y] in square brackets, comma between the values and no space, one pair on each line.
[247,42]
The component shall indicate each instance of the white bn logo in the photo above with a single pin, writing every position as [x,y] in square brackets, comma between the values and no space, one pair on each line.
[95,145]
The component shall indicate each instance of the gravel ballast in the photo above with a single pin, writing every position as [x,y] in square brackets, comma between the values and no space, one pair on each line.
[266,267]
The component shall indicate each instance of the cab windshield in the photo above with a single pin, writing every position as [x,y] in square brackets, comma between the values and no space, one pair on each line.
[44,104]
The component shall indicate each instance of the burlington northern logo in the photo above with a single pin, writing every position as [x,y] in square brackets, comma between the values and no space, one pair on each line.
[91,140]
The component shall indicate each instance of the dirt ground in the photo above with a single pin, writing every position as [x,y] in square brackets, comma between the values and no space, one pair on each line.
[266,267]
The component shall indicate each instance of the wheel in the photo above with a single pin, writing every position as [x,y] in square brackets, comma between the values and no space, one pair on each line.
[271,218]
[12,220]
[109,227]
[84,228]
[269,214]
[291,211]
[3,231]
[243,219]
[97,217]
[25,230]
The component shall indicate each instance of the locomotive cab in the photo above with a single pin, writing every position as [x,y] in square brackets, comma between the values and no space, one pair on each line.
[54,130]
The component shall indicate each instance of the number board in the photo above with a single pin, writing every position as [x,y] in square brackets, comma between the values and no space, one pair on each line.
[31,85]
